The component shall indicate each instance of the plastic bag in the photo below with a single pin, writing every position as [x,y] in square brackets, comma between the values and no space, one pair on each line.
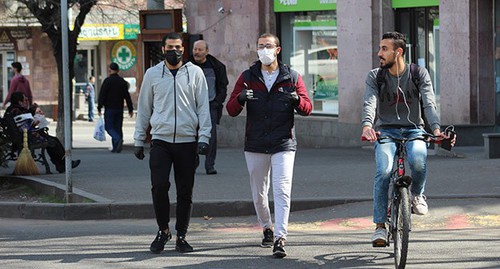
[99,132]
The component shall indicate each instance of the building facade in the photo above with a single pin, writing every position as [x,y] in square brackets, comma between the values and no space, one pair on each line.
[334,43]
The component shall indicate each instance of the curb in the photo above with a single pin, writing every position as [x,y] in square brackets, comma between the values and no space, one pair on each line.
[106,209]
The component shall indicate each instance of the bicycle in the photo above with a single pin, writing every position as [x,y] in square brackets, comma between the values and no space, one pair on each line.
[399,211]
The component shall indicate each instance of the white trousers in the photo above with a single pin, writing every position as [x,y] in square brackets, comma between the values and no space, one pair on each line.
[261,168]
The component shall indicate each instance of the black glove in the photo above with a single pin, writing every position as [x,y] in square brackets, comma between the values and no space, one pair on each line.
[245,95]
[292,96]
[202,148]
[139,152]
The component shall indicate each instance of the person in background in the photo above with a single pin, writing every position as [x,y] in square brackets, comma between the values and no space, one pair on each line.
[272,92]
[174,102]
[215,73]
[19,83]
[20,107]
[90,96]
[114,90]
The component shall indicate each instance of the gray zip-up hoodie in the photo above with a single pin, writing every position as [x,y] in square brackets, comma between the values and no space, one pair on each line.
[384,106]
[177,108]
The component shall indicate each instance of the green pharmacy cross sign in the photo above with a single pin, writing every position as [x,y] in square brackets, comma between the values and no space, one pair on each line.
[124,54]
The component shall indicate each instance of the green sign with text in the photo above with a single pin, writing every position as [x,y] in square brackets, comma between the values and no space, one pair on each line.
[304,5]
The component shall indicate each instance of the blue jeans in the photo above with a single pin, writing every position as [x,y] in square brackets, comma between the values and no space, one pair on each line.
[91,108]
[113,122]
[416,155]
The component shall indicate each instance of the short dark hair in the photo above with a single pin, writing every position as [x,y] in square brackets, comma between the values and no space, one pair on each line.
[114,67]
[172,35]
[398,39]
[17,66]
[16,97]
[276,39]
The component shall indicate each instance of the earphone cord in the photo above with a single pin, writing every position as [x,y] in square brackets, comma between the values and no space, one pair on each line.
[404,99]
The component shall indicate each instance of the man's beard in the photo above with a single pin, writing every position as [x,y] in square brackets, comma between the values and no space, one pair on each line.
[387,65]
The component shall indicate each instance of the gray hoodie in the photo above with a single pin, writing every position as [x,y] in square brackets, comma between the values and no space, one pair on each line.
[382,108]
[177,108]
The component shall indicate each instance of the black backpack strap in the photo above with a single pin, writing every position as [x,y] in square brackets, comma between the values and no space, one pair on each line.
[415,74]
[381,74]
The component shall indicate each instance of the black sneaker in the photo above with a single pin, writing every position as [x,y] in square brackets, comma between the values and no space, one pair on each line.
[182,245]
[279,248]
[267,241]
[159,243]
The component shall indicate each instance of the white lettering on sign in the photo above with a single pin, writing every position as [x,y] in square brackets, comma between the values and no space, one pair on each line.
[288,2]
[327,1]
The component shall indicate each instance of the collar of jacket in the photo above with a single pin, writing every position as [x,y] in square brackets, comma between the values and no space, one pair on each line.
[284,71]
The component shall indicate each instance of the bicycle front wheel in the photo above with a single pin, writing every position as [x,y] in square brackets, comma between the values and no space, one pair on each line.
[401,231]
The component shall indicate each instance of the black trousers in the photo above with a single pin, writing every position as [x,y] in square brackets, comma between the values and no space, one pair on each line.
[182,156]
[212,146]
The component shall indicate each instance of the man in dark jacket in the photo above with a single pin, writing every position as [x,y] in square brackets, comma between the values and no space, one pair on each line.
[215,73]
[271,92]
[114,90]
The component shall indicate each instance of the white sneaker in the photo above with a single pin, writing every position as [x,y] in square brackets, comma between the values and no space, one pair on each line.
[379,238]
[419,205]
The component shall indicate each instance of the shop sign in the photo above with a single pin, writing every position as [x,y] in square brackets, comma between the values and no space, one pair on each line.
[304,5]
[124,54]
[6,43]
[108,31]
[414,3]
[130,31]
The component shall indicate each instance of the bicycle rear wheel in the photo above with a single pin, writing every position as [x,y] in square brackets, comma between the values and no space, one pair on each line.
[401,232]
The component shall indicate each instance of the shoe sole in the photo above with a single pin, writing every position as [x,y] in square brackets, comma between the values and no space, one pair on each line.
[379,243]
[266,245]
[279,254]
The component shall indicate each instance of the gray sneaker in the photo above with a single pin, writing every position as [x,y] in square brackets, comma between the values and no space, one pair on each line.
[379,238]
[419,205]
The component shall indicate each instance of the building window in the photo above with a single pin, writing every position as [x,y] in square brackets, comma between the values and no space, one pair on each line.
[309,46]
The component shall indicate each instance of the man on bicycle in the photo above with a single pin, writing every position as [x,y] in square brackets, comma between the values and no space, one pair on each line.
[394,110]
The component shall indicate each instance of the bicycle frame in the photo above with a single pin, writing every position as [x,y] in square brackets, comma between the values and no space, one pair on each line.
[399,220]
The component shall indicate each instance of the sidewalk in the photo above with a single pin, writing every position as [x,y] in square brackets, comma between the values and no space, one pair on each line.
[323,177]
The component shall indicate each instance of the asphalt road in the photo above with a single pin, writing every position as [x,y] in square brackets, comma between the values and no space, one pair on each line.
[457,233]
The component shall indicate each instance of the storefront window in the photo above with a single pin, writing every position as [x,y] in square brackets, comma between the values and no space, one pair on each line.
[309,46]
[497,62]
[421,27]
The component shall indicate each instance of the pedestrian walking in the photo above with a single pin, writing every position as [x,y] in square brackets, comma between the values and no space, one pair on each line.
[173,101]
[114,90]
[395,110]
[215,74]
[19,83]
[90,96]
[271,92]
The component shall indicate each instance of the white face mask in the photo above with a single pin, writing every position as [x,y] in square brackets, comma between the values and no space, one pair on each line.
[266,56]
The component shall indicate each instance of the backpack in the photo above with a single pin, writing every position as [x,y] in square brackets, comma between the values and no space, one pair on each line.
[415,78]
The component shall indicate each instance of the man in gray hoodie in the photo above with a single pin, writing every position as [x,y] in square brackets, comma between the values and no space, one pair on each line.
[394,110]
[173,102]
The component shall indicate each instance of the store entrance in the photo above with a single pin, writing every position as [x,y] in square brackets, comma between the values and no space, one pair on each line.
[6,73]
[421,27]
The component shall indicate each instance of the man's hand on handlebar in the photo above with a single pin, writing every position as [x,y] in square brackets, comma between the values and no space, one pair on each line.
[369,134]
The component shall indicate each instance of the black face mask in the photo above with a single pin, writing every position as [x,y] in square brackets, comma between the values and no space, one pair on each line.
[173,57]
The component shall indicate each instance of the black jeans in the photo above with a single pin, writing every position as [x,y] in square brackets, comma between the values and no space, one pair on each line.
[182,156]
[212,146]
